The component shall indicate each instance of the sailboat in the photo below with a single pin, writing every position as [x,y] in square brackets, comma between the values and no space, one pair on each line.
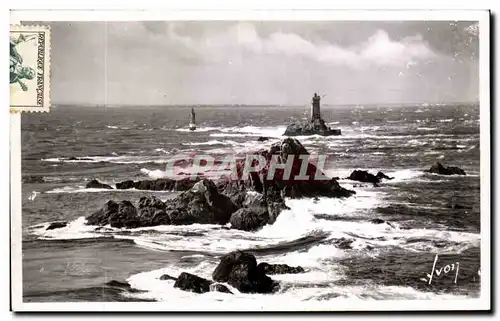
[192,123]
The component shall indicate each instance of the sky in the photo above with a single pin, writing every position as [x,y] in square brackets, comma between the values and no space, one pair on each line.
[264,62]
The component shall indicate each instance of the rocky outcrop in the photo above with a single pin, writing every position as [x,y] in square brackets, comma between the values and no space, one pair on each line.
[239,269]
[316,127]
[56,225]
[249,201]
[262,139]
[167,277]
[366,177]
[247,220]
[202,204]
[193,283]
[161,184]
[280,268]
[96,184]
[293,182]
[438,168]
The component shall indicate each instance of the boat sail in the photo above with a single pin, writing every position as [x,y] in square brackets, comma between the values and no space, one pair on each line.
[192,123]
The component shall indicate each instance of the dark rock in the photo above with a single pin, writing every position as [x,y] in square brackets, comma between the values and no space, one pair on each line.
[343,243]
[102,216]
[125,185]
[381,175]
[151,201]
[438,168]
[119,284]
[262,139]
[279,268]
[220,288]
[161,184]
[193,283]
[363,176]
[201,204]
[126,216]
[33,179]
[167,277]
[96,184]
[239,269]
[377,221]
[56,225]
[317,127]
[247,220]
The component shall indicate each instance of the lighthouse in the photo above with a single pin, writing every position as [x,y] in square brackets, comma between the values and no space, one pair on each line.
[315,108]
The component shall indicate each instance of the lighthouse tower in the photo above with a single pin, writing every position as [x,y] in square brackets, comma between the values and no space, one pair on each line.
[315,109]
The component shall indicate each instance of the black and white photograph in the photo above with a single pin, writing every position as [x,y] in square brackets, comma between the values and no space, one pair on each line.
[252,164]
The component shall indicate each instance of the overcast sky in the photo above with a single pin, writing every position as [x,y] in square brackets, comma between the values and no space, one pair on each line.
[161,63]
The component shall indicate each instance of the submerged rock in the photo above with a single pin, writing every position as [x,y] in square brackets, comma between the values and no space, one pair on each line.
[262,139]
[280,268]
[239,269]
[56,225]
[33,179]
[217,287]
[96,184]
[119,284]
[438,168]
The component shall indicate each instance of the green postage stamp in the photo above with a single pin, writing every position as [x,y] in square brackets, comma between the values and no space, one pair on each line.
[29,68]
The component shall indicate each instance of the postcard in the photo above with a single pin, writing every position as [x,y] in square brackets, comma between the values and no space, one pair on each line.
[241,161]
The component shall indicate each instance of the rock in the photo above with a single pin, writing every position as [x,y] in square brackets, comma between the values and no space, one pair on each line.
[56,225]
[262,139]
[239,269]
[202,204]
[220,288]
[161,184]
[317,127]
[343,243]
[102,216]
[96,184]
[33,179]
[279,268]
[363,176]
[125,185]
[167,277]
[438,168]
[381,221]
[126,216]
[279,185]
[381,175]
[151,201]
[119,284]
[247,220]
[193,283]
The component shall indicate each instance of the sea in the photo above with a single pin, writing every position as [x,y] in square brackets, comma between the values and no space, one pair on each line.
[427,248]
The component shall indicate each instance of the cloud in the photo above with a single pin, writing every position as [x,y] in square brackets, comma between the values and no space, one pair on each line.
[243,38]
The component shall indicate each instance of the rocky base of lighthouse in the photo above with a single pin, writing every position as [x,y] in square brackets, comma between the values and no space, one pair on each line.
[316,127]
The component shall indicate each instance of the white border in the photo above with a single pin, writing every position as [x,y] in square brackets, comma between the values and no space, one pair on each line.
[483,303]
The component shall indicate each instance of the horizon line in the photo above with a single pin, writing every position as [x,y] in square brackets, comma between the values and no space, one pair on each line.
[263,105]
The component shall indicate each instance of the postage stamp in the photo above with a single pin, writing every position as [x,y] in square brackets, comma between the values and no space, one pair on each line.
[227,161]
[29,68]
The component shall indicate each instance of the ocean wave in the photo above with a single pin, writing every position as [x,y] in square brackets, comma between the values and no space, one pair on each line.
[211,142]
[199,129]
[445,120]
